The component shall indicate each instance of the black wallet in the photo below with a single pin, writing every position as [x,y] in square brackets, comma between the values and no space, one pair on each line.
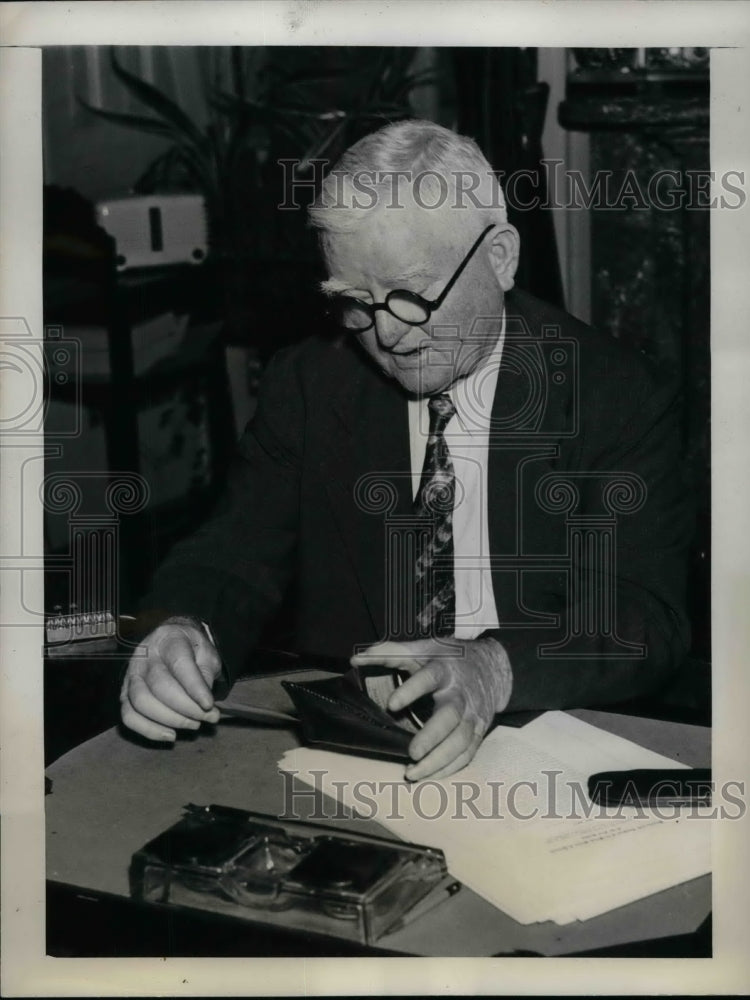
[348,713]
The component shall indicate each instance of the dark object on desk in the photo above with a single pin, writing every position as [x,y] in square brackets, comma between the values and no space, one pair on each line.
[652,787]
[288,874]
[348,714]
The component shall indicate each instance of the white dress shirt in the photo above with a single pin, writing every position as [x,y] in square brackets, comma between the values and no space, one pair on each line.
[467,437]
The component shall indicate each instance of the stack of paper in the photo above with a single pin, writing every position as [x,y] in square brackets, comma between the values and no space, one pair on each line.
[516,825]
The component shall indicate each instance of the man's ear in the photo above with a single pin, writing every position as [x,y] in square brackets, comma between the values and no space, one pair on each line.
[504,248]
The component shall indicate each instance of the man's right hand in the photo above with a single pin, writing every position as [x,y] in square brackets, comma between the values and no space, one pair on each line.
[168,682]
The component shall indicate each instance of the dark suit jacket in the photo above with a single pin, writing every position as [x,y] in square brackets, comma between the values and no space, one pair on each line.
[569,403]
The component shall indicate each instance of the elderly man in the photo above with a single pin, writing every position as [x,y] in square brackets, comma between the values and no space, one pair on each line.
[533,461]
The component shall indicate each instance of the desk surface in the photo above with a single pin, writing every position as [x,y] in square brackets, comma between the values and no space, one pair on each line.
[111,795]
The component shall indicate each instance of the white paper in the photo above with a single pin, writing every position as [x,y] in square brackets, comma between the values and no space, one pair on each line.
[516,825]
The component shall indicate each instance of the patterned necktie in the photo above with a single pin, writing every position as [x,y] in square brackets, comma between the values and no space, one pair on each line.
[435,585]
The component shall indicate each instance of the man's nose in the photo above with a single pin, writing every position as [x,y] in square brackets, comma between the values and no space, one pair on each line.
[390,329]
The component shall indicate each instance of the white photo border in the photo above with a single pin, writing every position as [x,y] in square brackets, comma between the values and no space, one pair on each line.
[723,26]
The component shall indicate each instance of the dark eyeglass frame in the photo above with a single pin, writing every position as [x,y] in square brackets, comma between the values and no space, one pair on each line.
[340,300]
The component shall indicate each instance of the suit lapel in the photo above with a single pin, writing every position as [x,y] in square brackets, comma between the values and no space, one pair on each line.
[505,442]
[368,478]
[526,417]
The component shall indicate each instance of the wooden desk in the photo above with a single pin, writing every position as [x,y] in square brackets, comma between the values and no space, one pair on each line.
[111,795]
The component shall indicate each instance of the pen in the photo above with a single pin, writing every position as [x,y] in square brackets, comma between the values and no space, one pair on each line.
[253,713]
[425,906]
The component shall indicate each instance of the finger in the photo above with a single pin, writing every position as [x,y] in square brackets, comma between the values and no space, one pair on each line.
[145,727]
[395,654]
[461,761]
[158,702]
[386,654]
[422,682]
[437,728]
[445,754]
[178,655]
[209,662]
[167,691]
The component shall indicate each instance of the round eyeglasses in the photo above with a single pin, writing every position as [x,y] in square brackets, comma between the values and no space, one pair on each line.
[357,316]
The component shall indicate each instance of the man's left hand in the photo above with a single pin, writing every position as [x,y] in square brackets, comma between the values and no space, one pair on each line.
[470,681]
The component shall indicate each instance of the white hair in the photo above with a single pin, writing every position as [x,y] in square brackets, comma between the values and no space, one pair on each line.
[440,167]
